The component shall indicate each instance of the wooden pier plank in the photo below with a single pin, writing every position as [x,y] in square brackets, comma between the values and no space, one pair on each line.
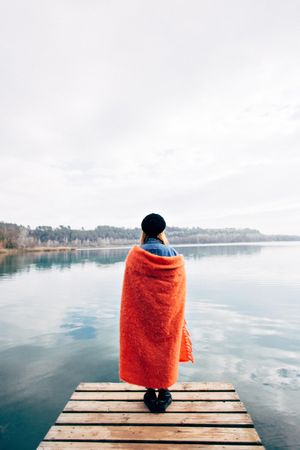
[108,395]
[153,433]
[180,386]
[65,445]
[139,406]
[146,418]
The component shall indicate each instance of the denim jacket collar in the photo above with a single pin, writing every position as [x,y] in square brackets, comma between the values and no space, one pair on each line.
[152,239]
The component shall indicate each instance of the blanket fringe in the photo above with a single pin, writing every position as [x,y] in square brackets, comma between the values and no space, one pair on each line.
[187,354]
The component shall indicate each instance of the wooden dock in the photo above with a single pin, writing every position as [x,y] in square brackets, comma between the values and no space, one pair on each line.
[203,415]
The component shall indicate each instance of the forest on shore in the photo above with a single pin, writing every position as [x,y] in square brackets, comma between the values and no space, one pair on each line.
[13,236]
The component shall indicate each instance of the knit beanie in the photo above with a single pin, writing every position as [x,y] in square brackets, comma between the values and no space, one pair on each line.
[153,224]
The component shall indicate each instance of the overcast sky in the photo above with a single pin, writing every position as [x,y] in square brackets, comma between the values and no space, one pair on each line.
[110,110]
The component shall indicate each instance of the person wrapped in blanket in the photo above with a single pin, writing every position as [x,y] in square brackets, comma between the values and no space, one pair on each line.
[154,240]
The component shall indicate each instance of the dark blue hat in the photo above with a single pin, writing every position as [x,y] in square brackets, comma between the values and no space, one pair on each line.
[153,224]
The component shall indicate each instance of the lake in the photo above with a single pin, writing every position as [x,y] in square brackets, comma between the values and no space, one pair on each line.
[59,319]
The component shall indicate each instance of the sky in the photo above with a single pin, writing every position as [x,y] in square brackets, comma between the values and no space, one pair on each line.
[113,109]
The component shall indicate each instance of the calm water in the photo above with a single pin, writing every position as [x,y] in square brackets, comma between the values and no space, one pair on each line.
[59,318]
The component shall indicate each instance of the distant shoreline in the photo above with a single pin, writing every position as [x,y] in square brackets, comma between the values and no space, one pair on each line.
[13,251]
[17,251]
[44,238]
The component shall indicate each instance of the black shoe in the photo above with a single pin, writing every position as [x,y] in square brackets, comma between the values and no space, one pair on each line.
[150,399]
[164,400]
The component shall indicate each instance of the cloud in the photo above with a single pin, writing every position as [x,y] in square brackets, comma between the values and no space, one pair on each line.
[110,110]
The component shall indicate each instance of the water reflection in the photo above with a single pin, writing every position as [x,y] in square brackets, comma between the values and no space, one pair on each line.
[208,251]
[80,326]
[11,264]
[249,344]
[59,326]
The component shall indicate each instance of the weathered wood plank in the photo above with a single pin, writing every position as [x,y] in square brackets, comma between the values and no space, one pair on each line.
[181,386]
[153,433]
[52,445]
[146,418]
[108,395]
[178,406]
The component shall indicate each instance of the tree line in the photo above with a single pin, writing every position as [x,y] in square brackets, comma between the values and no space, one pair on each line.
[20,236]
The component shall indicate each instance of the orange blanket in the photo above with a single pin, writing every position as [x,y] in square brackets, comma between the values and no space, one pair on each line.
[153,333]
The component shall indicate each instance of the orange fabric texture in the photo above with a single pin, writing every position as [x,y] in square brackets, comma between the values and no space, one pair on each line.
[153,333]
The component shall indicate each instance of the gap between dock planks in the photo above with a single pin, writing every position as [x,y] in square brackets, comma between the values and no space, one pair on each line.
[203,415]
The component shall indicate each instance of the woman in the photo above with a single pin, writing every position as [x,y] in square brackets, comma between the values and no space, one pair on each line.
[153,333]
